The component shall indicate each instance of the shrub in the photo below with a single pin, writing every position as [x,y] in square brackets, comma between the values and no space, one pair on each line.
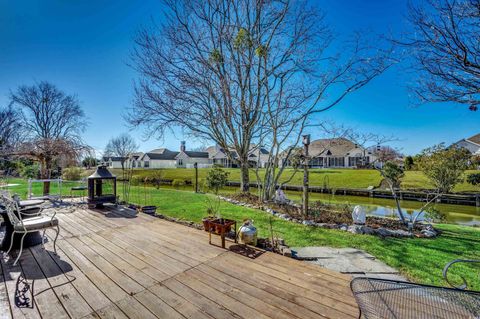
[136,180]
[408,163]
[30,171]
[393,173]
[474,179]
[444,166]
[72,173]
[177,183]
[217,178]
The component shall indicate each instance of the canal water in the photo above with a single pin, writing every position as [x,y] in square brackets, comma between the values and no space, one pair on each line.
[455,214]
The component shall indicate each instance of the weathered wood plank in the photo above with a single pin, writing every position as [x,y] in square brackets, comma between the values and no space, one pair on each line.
[217,296]
[246,294]
[94,274]
[89,292]
[157,306]
[134,309]
[21,302]
[119,278]
[128,269]
[208,306]
[5,311]
[177,302]
[318,302]
[45,298]
[71,300]
[132,256]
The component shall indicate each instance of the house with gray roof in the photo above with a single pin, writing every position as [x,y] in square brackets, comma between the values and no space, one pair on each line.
[337,153]
[218,156]
[472,144]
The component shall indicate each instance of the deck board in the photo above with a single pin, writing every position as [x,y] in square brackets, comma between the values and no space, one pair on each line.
[113,263]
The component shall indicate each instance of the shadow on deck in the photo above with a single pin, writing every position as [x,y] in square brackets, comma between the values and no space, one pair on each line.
[113,263]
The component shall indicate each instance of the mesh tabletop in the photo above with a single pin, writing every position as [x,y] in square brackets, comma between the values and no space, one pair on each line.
[381,298]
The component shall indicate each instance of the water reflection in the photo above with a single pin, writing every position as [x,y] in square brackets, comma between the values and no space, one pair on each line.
[455,214]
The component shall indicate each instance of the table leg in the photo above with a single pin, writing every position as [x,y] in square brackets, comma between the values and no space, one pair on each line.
[235,232]
[222,234]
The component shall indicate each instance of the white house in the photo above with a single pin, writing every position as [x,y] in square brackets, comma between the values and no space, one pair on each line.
[337,153]
[164,158]
[187,159]
[472,144]
[133,160]
[159,158]
[218,156]
[112,161]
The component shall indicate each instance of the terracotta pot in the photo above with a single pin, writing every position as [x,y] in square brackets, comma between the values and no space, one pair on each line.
[207,225]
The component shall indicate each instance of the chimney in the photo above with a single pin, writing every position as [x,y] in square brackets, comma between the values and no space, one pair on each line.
[182,146]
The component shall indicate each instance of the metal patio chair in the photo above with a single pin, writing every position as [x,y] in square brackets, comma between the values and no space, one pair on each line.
[382,298]
[39,221]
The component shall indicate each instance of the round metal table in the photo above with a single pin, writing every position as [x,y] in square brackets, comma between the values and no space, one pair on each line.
[30,206]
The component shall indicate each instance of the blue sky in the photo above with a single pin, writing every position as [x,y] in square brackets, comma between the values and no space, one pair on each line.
[83,47]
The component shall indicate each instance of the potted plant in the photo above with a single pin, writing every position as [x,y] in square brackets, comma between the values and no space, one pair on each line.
[213,207]
[147,209]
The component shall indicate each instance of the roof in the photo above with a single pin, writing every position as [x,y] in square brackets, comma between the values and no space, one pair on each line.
[331,146]
[136,155]
[113,158]
[166,155]
[474,139]
[158,150]
[197,154]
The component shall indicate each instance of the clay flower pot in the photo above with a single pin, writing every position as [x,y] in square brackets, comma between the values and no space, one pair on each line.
[207,223]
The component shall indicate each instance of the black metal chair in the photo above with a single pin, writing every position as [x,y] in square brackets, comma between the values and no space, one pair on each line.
[382,298]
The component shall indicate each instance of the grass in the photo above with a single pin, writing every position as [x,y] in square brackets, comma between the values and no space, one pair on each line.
[416,179]
[331,178]
[421,260]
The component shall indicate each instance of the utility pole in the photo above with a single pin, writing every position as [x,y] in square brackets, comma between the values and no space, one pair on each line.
[195,165]
[306,143]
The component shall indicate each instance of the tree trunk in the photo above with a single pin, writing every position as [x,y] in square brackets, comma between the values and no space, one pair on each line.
[244,177]
[45,174]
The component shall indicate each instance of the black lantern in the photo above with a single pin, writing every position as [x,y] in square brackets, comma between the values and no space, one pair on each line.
[102,188]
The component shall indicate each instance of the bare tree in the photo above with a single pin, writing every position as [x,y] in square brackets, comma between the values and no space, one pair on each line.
[52,122]
[121,146]
[10,128]
[446,51]
[369,142]
[244,72]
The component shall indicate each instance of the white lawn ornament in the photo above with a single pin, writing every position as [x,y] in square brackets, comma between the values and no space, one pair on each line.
[358,215]
[280,196]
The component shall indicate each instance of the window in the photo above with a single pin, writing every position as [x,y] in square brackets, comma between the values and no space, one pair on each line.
[133,164]
[180,162]
[146,164]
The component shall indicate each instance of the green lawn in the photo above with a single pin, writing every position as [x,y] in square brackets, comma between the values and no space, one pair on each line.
[421,260]
[332,178]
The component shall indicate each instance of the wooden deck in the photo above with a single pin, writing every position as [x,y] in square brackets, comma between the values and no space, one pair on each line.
[115,264]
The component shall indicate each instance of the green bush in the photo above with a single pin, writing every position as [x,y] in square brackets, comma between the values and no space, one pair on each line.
[408,163]
[177,183]
[30,171]
[474,179]
[72,173]
[217,178]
